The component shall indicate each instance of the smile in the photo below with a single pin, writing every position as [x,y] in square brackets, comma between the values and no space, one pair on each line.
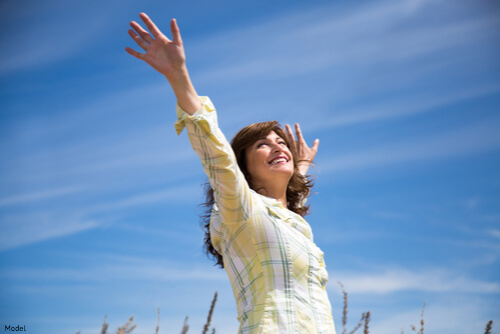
[278,160]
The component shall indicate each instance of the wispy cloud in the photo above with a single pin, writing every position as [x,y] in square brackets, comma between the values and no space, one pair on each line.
[369,35]
[184,193]
[401,106]
[494,218]
[472,139]
[24,229]
[376,55]
[29,227]
[95,150]
[113,268]
[430,280]
[38,196]
[494,233]
[61,31]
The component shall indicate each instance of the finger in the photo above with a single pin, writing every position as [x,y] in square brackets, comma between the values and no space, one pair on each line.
[300,139]
[134,53]
[289,133]
[315,145]
[138,40]
[150,24]
[176,32]
[143,33]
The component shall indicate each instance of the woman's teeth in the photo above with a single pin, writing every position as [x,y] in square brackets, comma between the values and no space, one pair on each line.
[275,161]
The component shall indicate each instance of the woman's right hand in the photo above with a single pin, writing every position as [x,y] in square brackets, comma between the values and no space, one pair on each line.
[167,57]
[164,55]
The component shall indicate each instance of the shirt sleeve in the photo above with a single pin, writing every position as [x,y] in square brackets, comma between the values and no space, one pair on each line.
[231,191]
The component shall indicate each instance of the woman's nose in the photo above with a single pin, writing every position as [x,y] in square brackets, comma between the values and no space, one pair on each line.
[277,147]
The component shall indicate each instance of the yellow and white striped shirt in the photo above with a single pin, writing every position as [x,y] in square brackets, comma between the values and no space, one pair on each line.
[276,271]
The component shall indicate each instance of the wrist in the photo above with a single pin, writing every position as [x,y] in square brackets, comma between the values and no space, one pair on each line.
[187,97]
[177,75]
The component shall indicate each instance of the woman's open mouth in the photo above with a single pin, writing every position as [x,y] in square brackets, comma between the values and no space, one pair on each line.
[278,160]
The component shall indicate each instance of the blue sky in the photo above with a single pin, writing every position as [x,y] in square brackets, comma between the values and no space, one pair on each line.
[98,196]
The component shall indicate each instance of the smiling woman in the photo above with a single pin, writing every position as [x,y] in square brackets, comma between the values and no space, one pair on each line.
[270,162]
[276,155]
[256,198]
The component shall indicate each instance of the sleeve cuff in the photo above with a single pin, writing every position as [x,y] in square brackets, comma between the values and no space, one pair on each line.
[206,110]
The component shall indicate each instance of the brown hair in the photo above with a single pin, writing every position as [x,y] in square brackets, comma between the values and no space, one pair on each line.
[298,188]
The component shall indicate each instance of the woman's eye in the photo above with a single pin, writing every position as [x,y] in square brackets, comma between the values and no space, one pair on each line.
[261,144]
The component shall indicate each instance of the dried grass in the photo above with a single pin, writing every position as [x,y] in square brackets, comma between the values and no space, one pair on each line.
[157,320]
[363,322]
[488,327]
[104,326]
[344,311]
[125,329]
[421,331]
[367,321]
[360,323]
[210,312]
[129,327]
[186,326]
[365,317]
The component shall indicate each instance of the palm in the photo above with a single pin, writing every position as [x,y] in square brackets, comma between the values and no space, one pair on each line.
[305,154]
[163,54]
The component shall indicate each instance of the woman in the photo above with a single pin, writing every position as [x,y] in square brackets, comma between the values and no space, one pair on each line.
[258,186]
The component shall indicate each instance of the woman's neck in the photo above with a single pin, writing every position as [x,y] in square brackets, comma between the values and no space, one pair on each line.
[276,192]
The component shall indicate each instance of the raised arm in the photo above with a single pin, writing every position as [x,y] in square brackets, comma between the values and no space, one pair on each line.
[231,191]
[305,153]
[167,57]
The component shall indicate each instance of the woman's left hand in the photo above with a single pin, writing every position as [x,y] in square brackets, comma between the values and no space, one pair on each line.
[305,153]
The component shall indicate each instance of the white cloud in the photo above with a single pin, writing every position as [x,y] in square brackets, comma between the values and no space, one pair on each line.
[494,233]
[390,215]
[352,46]
[59,31]
[34,227]
[38,196]
[491,218]
[471,204]
[471,139]
[402,107]
[460,315]
[393,281]
[182,193]
[42,147]
[29,227]
[117,268]
[368,35]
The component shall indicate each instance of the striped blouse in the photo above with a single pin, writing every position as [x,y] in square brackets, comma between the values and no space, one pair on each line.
[276,271]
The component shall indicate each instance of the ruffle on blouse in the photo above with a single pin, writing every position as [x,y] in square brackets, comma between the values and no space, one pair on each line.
[205,117]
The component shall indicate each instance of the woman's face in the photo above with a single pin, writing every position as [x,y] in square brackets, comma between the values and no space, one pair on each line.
[269,160]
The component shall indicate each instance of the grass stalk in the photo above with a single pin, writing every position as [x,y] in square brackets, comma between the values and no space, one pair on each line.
[360,323]
[210,312]
[344,311]
[488,327]
[367,321]
[157,320]
[104,326]
[186,326]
